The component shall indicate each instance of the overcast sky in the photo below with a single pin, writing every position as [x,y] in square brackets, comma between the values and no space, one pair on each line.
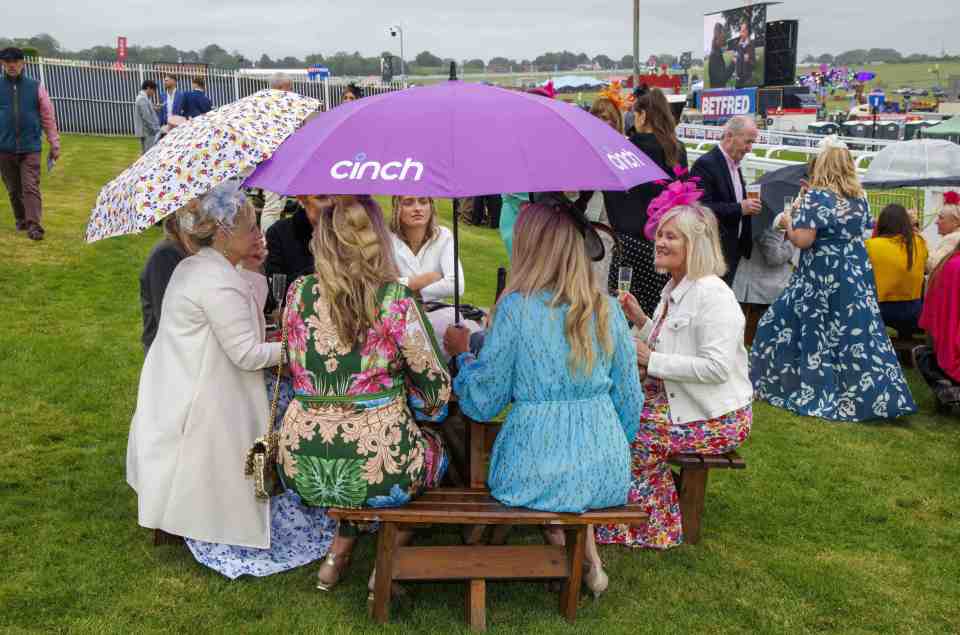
[479,28]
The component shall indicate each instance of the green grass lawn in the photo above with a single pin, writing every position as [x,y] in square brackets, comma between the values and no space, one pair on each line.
[831,528]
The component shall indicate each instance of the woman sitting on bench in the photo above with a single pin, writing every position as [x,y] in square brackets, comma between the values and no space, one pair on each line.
[423,251]
[358,344]
[697,394]
[559,349]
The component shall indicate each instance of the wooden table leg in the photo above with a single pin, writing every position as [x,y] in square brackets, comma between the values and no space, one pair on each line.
[570,595]
[693,489]
[499,534]
[386,547]
[477,605]
[477,440]
[473,534]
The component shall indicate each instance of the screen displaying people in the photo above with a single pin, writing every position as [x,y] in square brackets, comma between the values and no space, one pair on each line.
[734,42]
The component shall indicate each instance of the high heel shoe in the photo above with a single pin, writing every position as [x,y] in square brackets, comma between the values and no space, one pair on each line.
[331,569]
[596,579]
[396,590]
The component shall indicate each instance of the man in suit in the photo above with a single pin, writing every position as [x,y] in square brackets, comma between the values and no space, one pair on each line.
[724,190]
[146,126]
[171,99]
[195,102]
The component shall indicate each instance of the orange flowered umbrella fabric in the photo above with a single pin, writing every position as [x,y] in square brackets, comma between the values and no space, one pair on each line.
[196,157]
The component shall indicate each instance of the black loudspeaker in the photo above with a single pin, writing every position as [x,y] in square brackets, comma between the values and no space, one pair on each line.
[780,65]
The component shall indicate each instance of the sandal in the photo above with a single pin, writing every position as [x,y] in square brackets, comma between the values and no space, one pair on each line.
[331,569]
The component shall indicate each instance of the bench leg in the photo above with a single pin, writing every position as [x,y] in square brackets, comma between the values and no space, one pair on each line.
[473,534]
[477,605]
[386,548]
[570,594]
[693,489]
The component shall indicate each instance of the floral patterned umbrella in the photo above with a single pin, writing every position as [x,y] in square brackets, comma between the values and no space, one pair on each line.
[194,158]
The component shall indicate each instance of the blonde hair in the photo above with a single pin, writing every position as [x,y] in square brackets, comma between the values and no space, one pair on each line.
[605,106]
[173,231]
[834,170]
[951,210]
[549,254]
[352,263]
[397,228]
[701,238]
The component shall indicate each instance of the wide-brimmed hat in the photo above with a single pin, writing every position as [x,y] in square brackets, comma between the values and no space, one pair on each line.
[11,54]
[591,238]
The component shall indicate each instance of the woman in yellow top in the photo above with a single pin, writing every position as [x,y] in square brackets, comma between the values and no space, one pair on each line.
[898,254]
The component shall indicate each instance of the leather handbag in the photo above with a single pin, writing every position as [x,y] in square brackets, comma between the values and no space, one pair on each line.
[261,461]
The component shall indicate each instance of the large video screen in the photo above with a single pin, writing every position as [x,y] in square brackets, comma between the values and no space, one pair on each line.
[733,44]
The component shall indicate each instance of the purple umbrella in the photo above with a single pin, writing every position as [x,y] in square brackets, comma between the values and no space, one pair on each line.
[454,140]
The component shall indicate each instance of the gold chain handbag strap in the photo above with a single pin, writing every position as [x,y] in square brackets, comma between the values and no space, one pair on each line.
[276,387]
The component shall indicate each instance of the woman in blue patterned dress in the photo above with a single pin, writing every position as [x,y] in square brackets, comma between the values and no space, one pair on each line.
[821,349]
[560,351]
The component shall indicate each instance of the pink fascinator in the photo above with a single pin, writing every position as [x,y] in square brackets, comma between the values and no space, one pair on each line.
[682,191]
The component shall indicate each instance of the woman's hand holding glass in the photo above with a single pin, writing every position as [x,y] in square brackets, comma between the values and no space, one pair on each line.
[631,308]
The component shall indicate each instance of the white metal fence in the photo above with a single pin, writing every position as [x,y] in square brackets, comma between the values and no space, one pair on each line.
[97,97]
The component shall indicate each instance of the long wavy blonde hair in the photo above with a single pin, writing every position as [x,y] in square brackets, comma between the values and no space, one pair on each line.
[353,261]
[549,254]
[834,170]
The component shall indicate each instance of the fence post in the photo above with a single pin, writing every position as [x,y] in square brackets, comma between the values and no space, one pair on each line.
[43,77]
[140,68]
[326,93]
[236,85]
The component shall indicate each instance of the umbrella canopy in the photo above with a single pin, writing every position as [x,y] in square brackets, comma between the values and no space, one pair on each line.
[774,188]
[949,129]
[920,163]
[194,158]
[454,140]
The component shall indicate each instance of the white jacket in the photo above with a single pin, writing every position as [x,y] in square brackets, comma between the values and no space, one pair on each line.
[700,354]
[436,255]
[201,403]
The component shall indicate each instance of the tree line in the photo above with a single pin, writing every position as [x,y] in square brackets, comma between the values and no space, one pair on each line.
[355,64]
[857,57]
[339,63]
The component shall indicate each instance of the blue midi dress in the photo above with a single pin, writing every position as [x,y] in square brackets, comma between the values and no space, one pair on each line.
[564,446]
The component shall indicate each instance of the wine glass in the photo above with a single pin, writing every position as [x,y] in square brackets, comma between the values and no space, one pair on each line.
[278,288]
[624,278]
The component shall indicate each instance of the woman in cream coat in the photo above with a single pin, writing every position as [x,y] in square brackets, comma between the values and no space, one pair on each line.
[202,403]
[697,391]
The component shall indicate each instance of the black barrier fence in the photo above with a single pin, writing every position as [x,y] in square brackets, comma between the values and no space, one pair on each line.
[98,97]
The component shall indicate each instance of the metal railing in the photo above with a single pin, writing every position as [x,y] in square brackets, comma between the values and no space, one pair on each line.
[793,141]
[98,97]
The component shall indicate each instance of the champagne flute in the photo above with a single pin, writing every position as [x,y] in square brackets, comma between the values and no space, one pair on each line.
[278,287]
[624,278]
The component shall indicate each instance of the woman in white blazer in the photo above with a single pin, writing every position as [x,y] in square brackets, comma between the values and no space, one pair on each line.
[423,251]
[697,391]
[201,401]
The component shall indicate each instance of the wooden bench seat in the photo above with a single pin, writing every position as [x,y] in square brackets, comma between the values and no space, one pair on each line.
[692,486]
[477,563]
[691,483]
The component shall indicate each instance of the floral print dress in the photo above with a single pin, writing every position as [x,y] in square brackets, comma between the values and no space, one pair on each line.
[349,438]
[821,349]
[652,479]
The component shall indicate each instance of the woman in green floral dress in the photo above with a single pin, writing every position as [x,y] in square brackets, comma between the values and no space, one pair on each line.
[360,350]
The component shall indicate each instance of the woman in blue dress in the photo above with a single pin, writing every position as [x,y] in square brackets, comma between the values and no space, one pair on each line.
[821,349]
[560,351]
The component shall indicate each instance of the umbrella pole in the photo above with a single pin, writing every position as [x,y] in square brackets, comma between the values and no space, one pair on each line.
[456,236]
[456,262]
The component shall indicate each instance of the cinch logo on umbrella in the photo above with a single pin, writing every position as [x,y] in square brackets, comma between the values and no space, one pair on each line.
[625,160]
[360,169]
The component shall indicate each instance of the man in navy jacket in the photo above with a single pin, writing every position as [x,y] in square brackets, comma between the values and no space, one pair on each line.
[724,190]
[195,102]
[171,99]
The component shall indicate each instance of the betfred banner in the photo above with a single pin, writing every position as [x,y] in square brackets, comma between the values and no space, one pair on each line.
[720,105]
[121,49]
